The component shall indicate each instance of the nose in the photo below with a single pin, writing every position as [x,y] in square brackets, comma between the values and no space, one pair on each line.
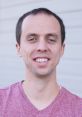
[42,46]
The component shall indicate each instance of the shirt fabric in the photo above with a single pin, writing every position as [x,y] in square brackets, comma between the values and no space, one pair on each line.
[14,103]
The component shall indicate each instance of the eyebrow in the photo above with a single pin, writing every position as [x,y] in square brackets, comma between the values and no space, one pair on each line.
[49,34]
[31,34]
[52,34]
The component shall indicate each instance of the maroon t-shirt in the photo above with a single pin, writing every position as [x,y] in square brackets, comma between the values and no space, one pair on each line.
[14,103]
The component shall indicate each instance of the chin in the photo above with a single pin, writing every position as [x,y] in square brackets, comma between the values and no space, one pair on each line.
[43,74]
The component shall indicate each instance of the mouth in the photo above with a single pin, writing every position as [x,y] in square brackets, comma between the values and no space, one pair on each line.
[41,59]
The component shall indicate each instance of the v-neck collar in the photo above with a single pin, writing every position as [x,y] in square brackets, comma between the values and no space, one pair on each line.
[53,104]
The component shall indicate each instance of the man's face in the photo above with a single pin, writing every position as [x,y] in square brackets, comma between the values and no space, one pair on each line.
[40,44]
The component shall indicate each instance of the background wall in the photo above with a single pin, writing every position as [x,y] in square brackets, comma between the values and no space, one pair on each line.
[70,67]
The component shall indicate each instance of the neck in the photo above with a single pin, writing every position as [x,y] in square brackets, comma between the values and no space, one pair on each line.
[41,90]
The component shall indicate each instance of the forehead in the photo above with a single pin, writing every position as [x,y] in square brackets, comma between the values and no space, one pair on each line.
[40,22]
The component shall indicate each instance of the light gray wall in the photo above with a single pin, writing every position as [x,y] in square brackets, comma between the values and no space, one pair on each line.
[70,67]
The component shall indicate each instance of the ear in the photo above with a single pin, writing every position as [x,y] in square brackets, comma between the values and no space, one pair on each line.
[18,49]
[63,48]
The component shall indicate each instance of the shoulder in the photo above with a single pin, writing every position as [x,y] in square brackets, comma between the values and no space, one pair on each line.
[71,97]
[7,95]
[6,92]
[73,101]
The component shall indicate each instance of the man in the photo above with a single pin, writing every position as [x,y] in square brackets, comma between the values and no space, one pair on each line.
[40,36]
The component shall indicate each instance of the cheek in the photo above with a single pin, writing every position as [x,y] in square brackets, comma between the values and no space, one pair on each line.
[27,53]
[57,52]
[25,48]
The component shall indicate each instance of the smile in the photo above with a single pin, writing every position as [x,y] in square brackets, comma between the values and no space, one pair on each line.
[41,60]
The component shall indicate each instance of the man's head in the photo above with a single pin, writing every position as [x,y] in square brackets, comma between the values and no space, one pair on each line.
[40,42]
[36,12]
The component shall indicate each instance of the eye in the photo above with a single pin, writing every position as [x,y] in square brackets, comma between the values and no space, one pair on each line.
[32,39]
[51,40]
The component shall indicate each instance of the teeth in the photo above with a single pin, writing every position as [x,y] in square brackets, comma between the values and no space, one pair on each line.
[41,60]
